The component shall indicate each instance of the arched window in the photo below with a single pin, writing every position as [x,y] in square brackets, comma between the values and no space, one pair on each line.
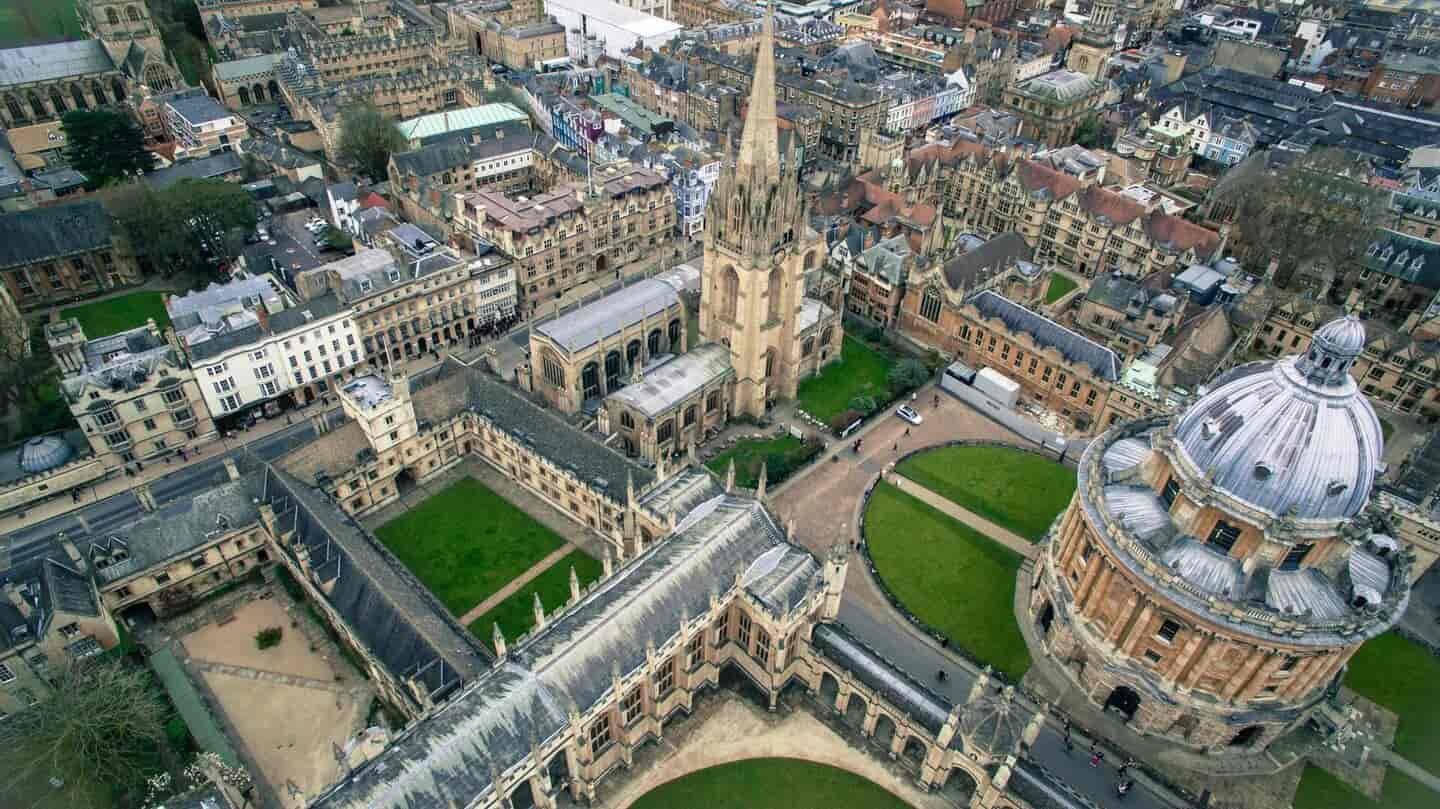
[58,101]
[117,88]
[930,305]
[826,335]
[807,347]
[590,381]
[612,370]
[729,290]
[157,78]
[132,13]
[652,341]
[665,431]
[776,288]
[674,335]
[810,259]
[632,353]
[712,402]
[244,96]
[111,17]
[690,414]
[554,371]
[258,93]
[626,420]
[79,96]
[769,363]
[12,106]
[36,105]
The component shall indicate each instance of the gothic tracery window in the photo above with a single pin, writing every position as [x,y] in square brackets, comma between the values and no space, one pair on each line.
[930,306]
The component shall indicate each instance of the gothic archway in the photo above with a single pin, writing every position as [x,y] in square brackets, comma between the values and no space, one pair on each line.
[775,291]
[117,89]
[36,104]
[1124,700]
[632,353]
[914,750]
[157,77]
[13,108]
[855,711]
[590,381]
[77,95]
[884,732]
[98,91]
[244,94]
[612,370]
[829,689]
[959,786]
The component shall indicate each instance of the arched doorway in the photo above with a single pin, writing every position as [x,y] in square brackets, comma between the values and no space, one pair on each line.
[855,711]
[1124,700]
[601,264]
[884,732]
[959,786]
[274,89]
[404,482]
[829,690]
[914,751]
[244,97]
[523,796]
[1247,736]
[1046,618]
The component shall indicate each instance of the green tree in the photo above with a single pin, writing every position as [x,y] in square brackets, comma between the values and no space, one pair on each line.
[105,146]
[188,226]
[1090,131]
[27,375]
[908,374]
[102,725]
[367,139]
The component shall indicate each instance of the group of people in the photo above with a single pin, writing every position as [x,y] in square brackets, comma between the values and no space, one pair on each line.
[1123,782]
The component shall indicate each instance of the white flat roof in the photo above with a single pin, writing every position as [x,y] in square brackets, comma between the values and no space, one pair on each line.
[630,19]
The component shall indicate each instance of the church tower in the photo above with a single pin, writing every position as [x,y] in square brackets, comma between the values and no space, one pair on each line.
[1092,49]
[758,247]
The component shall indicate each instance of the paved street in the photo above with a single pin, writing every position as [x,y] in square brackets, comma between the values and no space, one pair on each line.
[825,504]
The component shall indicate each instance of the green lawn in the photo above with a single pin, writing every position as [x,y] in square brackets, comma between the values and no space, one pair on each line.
[516,614]
[120,313]
[1400,675]
[948,575]
[32,22]
[467,542]
[861,371]
[1017,490]
[1320,790]
[749,456]
[770,783]
[1060,286]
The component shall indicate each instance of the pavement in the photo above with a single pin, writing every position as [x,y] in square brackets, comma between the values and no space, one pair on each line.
[812,499]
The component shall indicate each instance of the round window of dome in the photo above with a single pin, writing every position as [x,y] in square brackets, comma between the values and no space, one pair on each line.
[1336,488]
[1263,471]
[1209,428]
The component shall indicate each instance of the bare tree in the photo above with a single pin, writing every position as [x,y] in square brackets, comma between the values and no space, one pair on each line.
[100,726]
[25,367]
[1316,215]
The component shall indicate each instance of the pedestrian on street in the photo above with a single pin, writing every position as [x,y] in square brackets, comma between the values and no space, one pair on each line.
[907,432]
[937,400]
[897,446]
[1096,756]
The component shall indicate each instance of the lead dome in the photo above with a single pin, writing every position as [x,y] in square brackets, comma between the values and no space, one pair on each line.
[1294,438]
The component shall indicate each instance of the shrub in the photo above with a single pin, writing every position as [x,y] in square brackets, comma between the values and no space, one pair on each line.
[845,419]
[864,404]
[268,637]
[177,733]
[908,374]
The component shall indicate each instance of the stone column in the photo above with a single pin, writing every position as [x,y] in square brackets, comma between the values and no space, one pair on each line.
[1204,661]
[1188,654]
[1242,678]
[1299,676]
[1122,620]
[1137,630]
[1262,677]
[1098,578]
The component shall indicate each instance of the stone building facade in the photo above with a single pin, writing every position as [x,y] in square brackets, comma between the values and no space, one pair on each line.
[674,407]
[63,252]
[1224,643]
[567,236]
[134,395]
[1052,107]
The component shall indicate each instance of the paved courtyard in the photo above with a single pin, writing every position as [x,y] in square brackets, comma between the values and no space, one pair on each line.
[287,704]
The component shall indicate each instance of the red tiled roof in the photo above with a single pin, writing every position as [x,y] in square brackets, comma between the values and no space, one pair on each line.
[373,200]
[1037,177]
[1183,234]
[1119,209]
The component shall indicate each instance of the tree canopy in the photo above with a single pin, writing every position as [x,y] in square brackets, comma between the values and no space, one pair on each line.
[105,146]
[1318,213]
[189,226]
[27,375]
[367,139]
[101,725]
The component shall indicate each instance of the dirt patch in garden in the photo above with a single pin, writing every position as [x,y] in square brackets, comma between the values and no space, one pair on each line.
[233,643]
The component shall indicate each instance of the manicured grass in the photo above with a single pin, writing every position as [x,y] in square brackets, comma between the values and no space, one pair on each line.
[1400,675]
[1320,790]
[120,313]
[749,456]
[1060,286]
[1017,490]
[861,371]
[516,614]
[948,575]
[33,22]
[467,542]
[770,783]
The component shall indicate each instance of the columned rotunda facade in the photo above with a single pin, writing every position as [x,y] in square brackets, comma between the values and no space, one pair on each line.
[1216,569]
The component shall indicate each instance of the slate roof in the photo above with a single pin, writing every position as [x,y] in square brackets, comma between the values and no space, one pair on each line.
[494,722]
[47,233]
[67,589]
[1406,257]
[203,168]
[453,153]
[1048,334]
[682,492]
[991,257]
[180,526]
[593,322]
[384,604]
[673,382]
[38,63]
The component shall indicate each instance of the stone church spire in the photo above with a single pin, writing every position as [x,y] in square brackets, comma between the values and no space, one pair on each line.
[758,160]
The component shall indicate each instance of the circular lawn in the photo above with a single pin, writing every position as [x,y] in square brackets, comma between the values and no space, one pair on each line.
[1012,488]
[770,783]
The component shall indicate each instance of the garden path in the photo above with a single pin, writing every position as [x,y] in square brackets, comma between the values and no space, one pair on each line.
[515,584]
[1004,536]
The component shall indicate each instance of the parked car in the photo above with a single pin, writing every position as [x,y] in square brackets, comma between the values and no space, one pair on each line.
[908,413]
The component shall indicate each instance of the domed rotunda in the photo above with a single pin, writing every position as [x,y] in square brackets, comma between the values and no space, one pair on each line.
[1217,568]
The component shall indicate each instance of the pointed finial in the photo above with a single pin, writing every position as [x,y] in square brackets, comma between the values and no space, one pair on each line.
[574,585]
[497,638]
[539,609]
[608,563]
[760,488]
[730,477]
